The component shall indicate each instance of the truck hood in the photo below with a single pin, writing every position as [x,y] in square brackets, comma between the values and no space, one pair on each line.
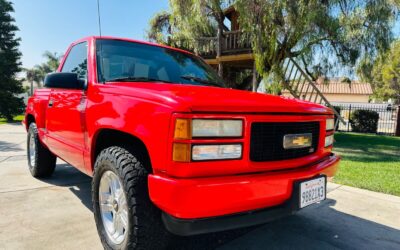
[193,98]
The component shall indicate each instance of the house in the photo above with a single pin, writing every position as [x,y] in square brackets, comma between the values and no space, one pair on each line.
[337,91]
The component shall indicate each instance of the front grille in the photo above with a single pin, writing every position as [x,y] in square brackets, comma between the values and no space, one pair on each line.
[267,140]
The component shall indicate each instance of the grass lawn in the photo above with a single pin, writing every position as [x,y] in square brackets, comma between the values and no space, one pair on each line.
[17,118]
[369,161]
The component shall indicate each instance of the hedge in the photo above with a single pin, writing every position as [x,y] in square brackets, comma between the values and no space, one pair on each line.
[364,121]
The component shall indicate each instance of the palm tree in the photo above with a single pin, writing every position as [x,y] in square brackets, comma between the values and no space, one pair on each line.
[52,61]
[33,76]
[36,74]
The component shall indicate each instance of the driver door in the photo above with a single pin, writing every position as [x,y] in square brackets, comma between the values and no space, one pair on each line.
[65,115]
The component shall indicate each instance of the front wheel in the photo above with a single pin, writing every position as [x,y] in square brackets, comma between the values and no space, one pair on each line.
[125,217]
[40,160]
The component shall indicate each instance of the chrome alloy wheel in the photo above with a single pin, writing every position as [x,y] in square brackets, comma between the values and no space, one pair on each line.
[32,150]
[113,207]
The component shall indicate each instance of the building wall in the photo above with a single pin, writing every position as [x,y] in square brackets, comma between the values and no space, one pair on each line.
[347,98]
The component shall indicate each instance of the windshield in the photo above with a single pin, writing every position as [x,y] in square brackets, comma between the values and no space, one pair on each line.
[130,61]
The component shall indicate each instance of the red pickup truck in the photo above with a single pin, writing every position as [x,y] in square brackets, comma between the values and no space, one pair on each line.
[170,148]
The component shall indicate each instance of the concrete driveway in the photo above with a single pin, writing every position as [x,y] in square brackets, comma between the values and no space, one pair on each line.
[56,213]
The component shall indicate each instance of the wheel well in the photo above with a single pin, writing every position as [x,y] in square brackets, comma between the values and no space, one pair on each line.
[109,137]
[29,120]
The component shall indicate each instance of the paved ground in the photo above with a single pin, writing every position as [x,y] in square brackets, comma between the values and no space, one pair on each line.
[56,214]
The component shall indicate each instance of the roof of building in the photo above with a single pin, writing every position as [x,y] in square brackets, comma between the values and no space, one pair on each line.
[339,87]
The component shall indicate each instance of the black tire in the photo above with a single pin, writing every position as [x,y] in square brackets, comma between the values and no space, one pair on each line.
[145,230]
[43,162]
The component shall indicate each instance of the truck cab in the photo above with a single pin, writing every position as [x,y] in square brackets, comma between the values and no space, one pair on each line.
[170,148]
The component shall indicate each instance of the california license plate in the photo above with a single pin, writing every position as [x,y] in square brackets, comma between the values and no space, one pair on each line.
[312,191]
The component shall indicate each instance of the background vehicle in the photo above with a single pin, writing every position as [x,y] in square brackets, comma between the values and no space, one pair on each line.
[169,148]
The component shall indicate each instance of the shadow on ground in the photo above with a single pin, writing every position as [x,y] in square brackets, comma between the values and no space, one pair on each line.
[9,147]
[317,227]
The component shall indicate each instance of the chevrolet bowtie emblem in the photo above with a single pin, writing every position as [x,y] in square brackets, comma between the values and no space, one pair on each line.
[297,141]
[301,140]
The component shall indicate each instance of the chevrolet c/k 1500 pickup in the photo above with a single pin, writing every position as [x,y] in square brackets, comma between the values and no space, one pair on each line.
[170,149]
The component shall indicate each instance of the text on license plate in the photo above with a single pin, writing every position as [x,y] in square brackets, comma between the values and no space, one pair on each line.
[312,191]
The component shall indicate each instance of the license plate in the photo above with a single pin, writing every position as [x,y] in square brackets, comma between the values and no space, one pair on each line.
[312,191]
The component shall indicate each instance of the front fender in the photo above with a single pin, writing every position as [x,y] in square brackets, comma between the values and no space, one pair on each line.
[143,119]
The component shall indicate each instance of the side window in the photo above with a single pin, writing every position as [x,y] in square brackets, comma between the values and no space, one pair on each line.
[76,61]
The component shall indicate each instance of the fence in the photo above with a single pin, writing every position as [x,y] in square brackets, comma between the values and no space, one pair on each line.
[387,116]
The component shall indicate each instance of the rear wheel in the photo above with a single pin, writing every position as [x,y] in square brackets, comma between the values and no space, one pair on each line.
[41,161]
[125,217]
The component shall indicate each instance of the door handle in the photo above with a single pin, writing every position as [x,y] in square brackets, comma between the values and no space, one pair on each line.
[51,103]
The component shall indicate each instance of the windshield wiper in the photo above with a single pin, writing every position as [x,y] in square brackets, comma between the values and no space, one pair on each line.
[136,79]
[201,80]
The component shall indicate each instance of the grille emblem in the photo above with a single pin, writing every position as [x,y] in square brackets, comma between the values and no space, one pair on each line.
[297,141]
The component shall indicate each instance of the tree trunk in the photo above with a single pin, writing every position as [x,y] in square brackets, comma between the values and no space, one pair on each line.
[254,82]
[398,122]
[219,52]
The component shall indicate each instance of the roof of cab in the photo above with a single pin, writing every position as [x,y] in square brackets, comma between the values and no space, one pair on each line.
[129,40]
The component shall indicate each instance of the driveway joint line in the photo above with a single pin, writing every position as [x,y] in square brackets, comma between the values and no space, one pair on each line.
[52,186]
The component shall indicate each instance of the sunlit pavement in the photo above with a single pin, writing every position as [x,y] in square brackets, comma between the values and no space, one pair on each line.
[56,213]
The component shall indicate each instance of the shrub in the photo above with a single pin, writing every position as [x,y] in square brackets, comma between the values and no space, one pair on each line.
[364,121]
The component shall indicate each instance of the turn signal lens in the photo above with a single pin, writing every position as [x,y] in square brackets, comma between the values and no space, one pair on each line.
[183,129]
[181,152]
[329,140]
[330,124]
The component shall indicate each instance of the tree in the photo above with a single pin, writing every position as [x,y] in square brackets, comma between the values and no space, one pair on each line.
[33,76]
[188,19]
[384,74]
[51,64]
[322,35]
[10,86]
[38,72]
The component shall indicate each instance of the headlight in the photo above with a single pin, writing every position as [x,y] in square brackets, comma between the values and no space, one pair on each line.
[216,152]
[329,140]
[330,124]
[186,128]
[217,128]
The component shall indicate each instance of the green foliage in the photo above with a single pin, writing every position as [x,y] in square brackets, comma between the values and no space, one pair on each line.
[339,32]
[364,121]
[325,36]
[273,84]
[38,72]
[160,27]
[18,118]
[188,20]
[10,65]
[383,72]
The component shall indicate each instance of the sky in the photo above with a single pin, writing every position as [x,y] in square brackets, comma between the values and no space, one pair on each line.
[53,24]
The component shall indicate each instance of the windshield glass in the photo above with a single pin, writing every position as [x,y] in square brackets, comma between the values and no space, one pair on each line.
[130,61]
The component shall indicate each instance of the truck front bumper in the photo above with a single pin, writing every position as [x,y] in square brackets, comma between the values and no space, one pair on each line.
[201,205]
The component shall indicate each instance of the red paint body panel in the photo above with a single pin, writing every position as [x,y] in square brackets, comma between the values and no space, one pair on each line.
[148,111]
[65,125]
[210,197]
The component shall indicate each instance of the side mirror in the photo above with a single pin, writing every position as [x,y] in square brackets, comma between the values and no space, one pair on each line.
[63,80]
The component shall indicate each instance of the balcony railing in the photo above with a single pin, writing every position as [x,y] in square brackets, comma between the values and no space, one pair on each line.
[232,42]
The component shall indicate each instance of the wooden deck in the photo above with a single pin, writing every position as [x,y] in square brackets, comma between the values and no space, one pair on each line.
[234,49]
